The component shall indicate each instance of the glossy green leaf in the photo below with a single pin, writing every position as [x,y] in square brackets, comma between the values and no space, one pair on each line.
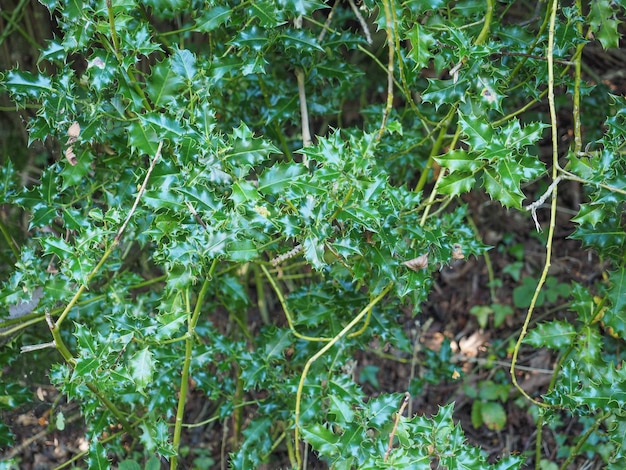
[501,186]
[23,84]
[276,179]
[143,138]
[603,20]
[163,84]
[302,7]
[460,160]
[590,214]
[253,38]
[615,316]
[142,367]
[421,43]
[212,18]
[554,335]
[97,456]
[457,183]
[321,438]
[300,40]
[246,150]
[479,133]
[445,92]
[183,64]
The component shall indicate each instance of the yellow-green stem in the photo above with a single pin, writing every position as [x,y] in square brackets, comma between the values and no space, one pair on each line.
[9,240]
[390,79]
[435,150]
[283,303]
[555,166]
[189,341]
[320,353]
[482,36]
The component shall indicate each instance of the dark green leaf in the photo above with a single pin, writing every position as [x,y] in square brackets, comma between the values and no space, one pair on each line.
[276,179]
[26,85]
[460,160]
[213,18]
[421,43]
[555,335]
[163,84]
[184,64]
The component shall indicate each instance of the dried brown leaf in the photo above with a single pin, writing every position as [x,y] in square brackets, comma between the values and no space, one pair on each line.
[457,251]
[421,262]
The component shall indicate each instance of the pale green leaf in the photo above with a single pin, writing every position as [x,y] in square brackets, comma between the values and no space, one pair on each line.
[142,366]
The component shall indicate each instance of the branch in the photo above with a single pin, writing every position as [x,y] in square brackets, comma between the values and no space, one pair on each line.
[405,402]
[304,112]
[539,202]
[141,191]
[366,30]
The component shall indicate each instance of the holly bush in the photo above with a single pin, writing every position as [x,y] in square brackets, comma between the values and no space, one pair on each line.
[244,194]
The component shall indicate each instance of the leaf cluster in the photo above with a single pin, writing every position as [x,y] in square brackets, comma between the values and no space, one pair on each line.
[195,215]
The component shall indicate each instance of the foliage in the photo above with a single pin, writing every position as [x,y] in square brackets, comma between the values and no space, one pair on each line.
[187,203]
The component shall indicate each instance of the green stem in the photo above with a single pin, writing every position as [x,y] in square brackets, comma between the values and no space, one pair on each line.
[485,31]
[9,240]
[13,23]
[320,353]
[116,47]
[551,230]
[283,303]
[578,144]
[542,28]
[189,342]
[55,327]
[576,450]
[435,150]
[67,355]
[390,58]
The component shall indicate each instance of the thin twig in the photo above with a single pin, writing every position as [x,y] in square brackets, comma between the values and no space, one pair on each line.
[36,347]
[553,193]
[304,112]
[391,54]
[119,233]
[405,402]
[319,354]
[366,30]
[326,26]
[196,215]
[539,202]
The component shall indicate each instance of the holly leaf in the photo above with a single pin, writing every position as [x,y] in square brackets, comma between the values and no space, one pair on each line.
[142,366]
[246,150]
[142,137]
[615,317]
[460,160]
[603,21]
[23,85]
[502,184]
[421,43]
[274,180]
[445,91]
[163,84]
[479,134]
[213,18]
[184,64]
[555,335]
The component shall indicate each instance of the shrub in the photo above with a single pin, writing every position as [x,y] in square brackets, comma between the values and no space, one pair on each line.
[189,203]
